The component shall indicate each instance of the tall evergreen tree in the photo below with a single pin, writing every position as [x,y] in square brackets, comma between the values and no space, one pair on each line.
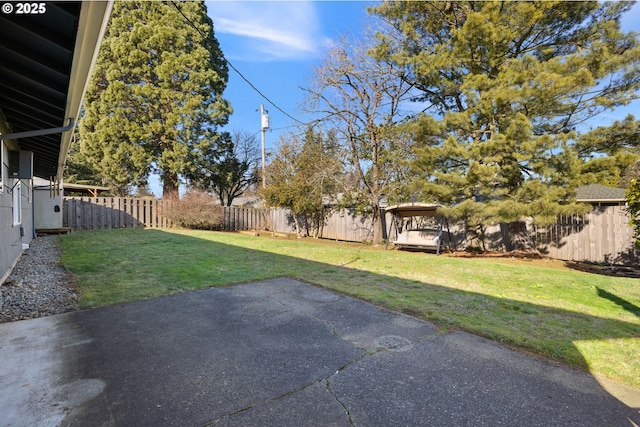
[155,101]
[78,169]
[611,153]
[506,84]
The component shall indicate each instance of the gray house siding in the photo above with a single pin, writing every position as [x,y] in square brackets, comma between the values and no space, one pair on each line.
[12,236]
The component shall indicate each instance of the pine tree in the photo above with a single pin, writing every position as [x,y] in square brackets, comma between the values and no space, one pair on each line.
[611,153]
[78,169]
[506,85]
[155,100]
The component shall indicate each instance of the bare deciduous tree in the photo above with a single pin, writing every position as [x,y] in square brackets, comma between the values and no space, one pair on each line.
[232,172]
[361,99]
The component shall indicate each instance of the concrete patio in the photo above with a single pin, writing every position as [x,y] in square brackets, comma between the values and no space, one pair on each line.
[282,352]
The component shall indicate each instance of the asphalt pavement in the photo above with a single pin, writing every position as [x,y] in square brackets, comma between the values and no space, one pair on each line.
[283,353]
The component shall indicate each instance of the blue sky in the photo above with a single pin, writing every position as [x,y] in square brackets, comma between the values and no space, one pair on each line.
[276,44]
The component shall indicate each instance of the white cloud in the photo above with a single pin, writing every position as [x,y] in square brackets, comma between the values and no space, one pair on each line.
[264,31]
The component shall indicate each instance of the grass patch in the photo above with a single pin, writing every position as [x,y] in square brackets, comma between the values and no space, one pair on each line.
[586,320]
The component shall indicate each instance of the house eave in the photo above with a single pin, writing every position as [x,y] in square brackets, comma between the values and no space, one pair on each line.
[46,60]
[94,17]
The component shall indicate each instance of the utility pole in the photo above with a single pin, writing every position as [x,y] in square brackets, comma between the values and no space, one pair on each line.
[264,125]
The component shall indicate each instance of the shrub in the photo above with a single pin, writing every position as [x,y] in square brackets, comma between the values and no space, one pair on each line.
[195,210]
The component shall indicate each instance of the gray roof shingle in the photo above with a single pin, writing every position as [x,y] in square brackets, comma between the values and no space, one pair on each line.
[599,193]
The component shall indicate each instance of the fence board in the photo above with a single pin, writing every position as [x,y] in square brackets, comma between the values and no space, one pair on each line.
[602,235]
[87,213]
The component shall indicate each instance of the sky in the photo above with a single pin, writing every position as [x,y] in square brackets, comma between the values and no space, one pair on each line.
[276,44]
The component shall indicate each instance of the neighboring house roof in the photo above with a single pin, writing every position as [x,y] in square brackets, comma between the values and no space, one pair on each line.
[46,59]
[246,201]
[599,193]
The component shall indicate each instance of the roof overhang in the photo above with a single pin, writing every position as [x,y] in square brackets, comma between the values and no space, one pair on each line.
[601,200]
[46,60]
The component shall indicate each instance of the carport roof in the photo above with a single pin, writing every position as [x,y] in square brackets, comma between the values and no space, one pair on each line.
[45,62]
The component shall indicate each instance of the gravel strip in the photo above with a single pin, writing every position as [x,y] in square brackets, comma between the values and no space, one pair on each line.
[38,286]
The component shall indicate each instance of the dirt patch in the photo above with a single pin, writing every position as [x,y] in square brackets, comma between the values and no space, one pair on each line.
[607,270]
[532,258]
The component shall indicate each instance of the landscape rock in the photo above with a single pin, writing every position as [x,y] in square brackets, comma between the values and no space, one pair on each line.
[38,285]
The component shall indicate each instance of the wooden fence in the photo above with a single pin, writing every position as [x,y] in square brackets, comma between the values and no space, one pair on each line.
[339,225]
[96,213]
[602,235]
[239,219]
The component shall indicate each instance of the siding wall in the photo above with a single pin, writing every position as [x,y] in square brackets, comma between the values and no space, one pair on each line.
[44,203]
[10,235]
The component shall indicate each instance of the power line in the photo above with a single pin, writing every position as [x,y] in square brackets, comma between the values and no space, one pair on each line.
[204,37]
[260,93]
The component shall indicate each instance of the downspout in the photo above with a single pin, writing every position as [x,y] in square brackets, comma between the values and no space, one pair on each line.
[39,132]
[33,211]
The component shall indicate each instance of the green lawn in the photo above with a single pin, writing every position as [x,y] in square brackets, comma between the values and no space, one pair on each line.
[586,320]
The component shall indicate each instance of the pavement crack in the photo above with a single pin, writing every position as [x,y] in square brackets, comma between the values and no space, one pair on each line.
[298,390]
[263,402]
[330,324]
[333,394]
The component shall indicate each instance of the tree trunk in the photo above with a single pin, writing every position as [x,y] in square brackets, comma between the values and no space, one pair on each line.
[170,186]
[299,230]
[377,227]
[517,237]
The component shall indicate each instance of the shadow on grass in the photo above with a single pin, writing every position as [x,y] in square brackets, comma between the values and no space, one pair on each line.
[626,305]
[176,263]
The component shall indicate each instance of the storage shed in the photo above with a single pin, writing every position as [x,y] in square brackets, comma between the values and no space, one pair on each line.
[415,226]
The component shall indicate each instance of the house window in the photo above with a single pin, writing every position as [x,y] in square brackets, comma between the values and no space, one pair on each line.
[17,203]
